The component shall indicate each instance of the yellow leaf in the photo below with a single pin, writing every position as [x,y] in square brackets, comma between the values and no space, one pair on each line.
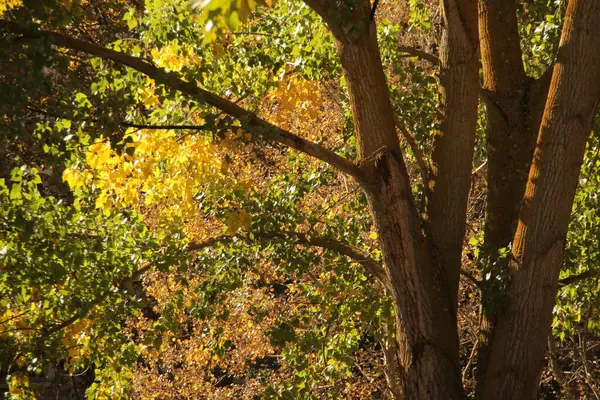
[6,5]
[70,177]
[68,4]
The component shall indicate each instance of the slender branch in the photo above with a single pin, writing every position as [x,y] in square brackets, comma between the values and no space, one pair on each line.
[471,278]
[370,265]
[210,242]
[472,355]
[419,156]
[257,34]
[97,300]
[174,127]
[578,277]
[476,170]
[413,51]
[122,123]
[15,317]
[250,121]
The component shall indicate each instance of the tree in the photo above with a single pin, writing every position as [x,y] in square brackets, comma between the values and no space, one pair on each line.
[537,128]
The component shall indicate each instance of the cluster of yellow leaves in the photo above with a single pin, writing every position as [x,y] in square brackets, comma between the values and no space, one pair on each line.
[76,341]
[163,171]
[14,323]
[19,387]
[6,5]
[174,56]
[147,95]
[298,100]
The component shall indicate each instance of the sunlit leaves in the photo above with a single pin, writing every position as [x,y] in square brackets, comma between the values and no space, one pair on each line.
[226,13]
[61,266]
[173,57]
[6,5]
[162,169]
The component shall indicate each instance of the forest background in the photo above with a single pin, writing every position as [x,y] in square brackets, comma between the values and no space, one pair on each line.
[240,199]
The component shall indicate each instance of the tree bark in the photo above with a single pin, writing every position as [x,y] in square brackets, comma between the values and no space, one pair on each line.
[452,155]
[514,104]
[510,138]
[425,323]
[517,352]
[426,331]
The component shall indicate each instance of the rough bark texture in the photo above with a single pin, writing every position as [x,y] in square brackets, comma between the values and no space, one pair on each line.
[511,139]
[452,156]
[425,322]
[518,351]
[513,106]
[425,319]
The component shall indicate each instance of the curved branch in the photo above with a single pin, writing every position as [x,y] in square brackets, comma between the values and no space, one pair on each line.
[326,243]
[250,121]
[83,312]
[344,249]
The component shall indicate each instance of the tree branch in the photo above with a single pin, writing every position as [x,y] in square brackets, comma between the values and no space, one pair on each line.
[330,244]
[413,51]
[250,121]
[419,156]
[370,265]
[122,123]
[578,277]
[326,243]
[471,278]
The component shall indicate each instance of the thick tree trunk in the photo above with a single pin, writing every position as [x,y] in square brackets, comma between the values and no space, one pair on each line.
[452,155]
[518,344]
[510,135]
[425,323]
[426,331]
[514,105]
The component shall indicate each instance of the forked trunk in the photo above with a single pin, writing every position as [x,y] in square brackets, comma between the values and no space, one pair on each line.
[514,104]
[426,334]
[425,324]
[519,342]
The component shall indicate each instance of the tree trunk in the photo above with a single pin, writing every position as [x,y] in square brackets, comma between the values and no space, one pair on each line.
[518,349]
[514,105]
[425,323]
[452,155]
[425,320]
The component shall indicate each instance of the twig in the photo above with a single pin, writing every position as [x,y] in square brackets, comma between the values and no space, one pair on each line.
[471,278]
[419,156]
[122,123]
[256,34]
[413,51]
[557,371]
[476,170]
[471,358]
